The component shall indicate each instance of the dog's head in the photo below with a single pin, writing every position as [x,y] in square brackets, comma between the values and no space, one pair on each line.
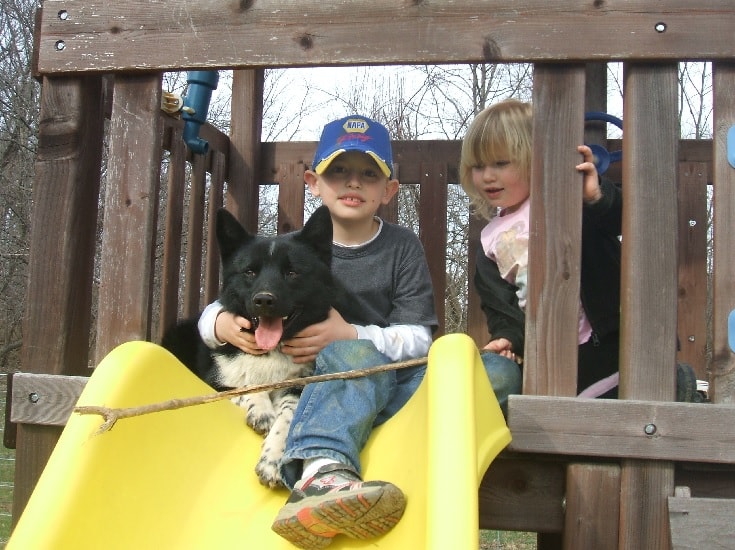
[281,284]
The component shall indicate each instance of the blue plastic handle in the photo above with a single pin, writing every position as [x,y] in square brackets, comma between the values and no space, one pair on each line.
[603,158]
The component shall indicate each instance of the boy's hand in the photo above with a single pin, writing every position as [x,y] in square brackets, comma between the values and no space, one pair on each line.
[591,182]
[229,328]
[306,345]
[502,346]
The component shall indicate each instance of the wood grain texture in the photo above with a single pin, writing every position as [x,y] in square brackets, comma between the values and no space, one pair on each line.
[104,35]
[554,248]
[613,428]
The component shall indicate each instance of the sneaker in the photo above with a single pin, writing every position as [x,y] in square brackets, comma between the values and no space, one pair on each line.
[336,501]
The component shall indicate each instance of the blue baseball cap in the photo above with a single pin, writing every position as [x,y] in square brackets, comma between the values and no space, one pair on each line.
[354,133]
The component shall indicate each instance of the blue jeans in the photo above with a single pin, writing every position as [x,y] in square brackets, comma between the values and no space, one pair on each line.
[334,419]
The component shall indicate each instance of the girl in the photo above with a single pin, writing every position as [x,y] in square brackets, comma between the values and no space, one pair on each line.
[495,173]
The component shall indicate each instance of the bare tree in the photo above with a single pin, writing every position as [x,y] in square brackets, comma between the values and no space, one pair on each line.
[19,98]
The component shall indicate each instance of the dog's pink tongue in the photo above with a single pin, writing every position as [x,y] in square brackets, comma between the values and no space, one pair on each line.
[269,332]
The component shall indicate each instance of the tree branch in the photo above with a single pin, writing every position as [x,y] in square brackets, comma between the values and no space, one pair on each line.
[112,415]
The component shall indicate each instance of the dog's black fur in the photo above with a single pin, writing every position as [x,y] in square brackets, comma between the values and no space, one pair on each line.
[282,285]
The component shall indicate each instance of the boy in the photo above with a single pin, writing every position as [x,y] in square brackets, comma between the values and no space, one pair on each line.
[388,316]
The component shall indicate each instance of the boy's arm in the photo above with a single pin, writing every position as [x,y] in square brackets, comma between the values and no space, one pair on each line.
[499,302]
[399,342]
[206,324]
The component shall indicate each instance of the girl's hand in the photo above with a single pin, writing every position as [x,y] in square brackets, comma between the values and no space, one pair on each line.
[502,346]
[591,191]
[231,328]
[306,345]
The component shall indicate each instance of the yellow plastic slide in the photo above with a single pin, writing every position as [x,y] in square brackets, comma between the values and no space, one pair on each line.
[184,479]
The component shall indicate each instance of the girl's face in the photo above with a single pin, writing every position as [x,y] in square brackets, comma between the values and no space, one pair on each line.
[500,183]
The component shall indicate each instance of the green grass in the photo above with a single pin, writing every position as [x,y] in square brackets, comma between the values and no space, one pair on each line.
[507,540]
[7,469]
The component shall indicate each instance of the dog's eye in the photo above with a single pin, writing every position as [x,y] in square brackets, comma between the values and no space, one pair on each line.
[250,273]
[291,274]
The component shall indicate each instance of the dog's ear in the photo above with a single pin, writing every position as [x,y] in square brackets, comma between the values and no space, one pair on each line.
[230,234]
[317,233]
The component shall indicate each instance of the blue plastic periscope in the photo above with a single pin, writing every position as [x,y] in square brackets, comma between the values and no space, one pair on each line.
[196,105]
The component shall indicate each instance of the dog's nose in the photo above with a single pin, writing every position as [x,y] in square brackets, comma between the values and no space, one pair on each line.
[263,299]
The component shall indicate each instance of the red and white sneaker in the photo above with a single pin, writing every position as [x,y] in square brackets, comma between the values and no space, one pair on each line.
[336,501]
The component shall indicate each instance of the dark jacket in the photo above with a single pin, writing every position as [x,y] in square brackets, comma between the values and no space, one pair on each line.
[600,275]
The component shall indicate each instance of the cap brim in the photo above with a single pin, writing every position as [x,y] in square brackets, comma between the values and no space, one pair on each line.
[326,161]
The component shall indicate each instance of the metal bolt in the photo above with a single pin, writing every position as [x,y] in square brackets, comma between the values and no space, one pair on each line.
[650,429]
[691,338]
[33,397]
[692,223]
[60,45]
[660,27]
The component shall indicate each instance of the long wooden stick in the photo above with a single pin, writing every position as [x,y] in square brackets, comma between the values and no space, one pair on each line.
[112,415]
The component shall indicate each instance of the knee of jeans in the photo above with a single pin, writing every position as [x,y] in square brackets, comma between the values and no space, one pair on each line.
[343,355]
[504,374]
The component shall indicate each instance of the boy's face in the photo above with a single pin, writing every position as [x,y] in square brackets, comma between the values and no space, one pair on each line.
[500,183]
[352,186]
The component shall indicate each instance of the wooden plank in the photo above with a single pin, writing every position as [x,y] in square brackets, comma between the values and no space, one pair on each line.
[649,255]
[104,35]
[291,196]
[648,283]
[216,196]
[131,202]
[410,155]
[45,399]
[174,222]
[592,497]
[62,241]
[193,266]
[244,155]
[433,231]
[701,522]
[521,494]
[692,276]
[723,274]
[679,431]
[552,309]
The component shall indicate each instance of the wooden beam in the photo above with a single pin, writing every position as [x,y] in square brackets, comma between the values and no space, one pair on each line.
[44,399]
[701,522]
[105,35]
[620,429]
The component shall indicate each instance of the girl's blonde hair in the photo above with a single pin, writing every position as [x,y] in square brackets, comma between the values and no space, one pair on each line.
[502,131]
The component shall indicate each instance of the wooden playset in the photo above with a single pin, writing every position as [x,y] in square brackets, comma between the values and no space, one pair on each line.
[638,472]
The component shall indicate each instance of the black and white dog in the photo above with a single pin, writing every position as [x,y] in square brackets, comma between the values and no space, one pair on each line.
[281,284]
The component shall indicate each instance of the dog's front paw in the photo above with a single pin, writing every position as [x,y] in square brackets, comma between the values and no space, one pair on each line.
[260,421]
[268,472]
[259,413]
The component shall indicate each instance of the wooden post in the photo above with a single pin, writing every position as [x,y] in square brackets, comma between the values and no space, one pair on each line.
[58,307]
[649,284]
[555,240]
[723,362]
[131,205]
